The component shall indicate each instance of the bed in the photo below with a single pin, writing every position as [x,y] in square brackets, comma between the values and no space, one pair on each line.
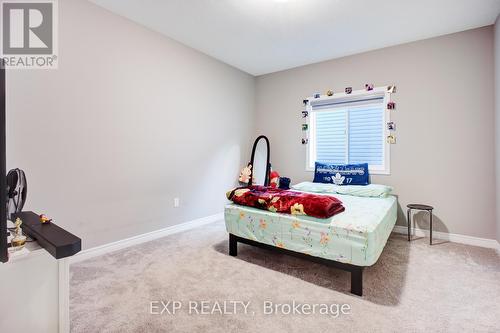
[350,240]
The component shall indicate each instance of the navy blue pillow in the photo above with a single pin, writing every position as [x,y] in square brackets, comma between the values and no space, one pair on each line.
[341,174]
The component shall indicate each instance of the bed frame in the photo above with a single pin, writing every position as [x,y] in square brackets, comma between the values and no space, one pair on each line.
[356,271]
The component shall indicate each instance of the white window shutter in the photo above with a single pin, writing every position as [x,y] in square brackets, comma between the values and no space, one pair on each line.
[366,135]
[331,138]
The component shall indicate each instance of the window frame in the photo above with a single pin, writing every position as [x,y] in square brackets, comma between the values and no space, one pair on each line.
[385,169]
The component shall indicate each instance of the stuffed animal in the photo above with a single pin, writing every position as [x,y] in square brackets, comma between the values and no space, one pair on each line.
[245,174]
[284,183]
[274,179]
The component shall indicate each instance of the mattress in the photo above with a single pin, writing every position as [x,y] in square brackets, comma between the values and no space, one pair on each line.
[356,236]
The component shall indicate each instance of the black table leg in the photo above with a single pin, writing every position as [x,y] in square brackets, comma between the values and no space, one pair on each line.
[430,212]
[357,281]
[233,245]
[409,223]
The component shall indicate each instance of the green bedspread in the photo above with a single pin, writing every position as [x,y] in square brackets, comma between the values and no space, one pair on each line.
[356,236]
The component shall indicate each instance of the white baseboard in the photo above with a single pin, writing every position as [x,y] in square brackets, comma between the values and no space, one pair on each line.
[455,238]
[121,244]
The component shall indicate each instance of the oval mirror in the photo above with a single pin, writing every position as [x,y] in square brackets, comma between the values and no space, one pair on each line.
[260,162]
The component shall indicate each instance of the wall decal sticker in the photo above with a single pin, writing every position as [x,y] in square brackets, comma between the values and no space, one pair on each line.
[391,89]
[348,90]
[317,95]
[305,114]
[391,126]
[369,86]
[391,139]
[391,106]
[329,93]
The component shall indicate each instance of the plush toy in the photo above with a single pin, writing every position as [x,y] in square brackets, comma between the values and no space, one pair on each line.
[284,183]
[245,174]
[274,179]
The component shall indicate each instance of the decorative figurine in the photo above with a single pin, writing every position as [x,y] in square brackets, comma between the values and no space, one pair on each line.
[348,90]
[329,93]
[19,239]
[391,105]
[274,179]
[391,89]
[391,139]
[305,101]
[245,174]
[305,141]
[305,114]
[369,86]
[305,127]
[44,219]
[317,95]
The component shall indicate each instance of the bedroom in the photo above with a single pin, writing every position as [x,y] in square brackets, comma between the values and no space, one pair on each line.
[131,143]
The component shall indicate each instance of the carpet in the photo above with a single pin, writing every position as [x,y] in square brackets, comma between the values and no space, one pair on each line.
[413,287]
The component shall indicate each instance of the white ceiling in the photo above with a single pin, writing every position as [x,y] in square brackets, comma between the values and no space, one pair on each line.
[264,36]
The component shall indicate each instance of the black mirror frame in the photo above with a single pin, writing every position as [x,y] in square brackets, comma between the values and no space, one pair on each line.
[268,168]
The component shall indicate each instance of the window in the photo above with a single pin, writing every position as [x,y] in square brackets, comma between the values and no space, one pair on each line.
[350,129]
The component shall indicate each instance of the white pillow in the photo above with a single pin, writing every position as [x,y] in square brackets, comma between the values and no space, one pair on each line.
[371,190]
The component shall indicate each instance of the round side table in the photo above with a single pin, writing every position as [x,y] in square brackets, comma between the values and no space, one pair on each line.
[419,207]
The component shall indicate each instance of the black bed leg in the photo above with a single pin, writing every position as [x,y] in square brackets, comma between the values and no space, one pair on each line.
[357,281]
[233,245]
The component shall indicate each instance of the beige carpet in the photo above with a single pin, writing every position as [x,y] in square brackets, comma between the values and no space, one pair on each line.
[413,287]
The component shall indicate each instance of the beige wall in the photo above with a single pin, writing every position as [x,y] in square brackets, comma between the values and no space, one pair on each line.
[444,119]
[129,121]
[497,118]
